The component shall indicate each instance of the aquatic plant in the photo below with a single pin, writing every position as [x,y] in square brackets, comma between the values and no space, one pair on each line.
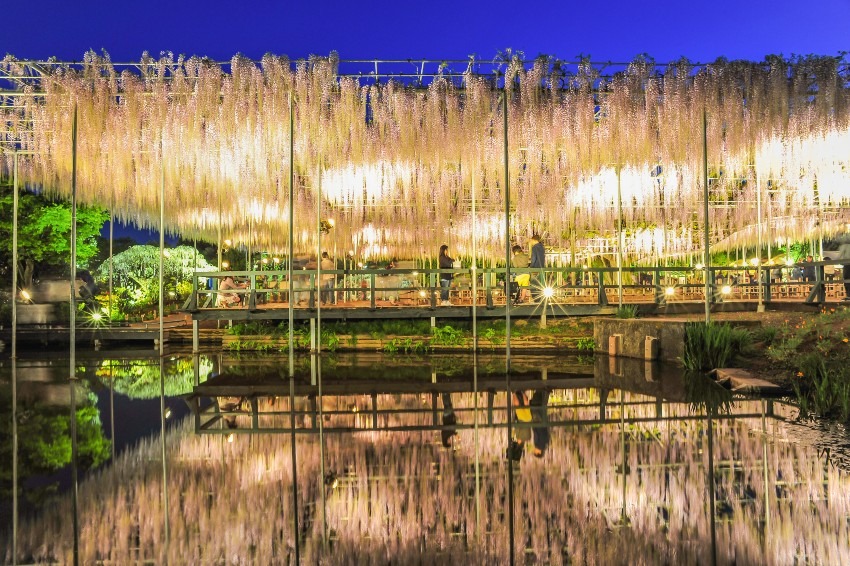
[713,345]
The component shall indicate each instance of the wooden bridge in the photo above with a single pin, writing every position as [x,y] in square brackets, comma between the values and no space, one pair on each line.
[415,293]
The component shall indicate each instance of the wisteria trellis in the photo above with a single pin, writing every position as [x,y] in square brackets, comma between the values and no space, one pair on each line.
[396,164]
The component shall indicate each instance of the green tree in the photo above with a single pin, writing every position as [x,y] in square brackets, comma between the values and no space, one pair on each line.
[44,233]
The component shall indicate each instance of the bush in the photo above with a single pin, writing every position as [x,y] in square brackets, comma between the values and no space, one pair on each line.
[710,346]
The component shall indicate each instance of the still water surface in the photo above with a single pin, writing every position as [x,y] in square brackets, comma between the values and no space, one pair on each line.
[404,460]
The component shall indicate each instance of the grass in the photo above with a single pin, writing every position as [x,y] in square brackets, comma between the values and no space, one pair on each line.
[710,346]
[627,311]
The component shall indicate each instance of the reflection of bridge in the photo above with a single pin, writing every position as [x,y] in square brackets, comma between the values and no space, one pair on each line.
[268,403]
[402,293]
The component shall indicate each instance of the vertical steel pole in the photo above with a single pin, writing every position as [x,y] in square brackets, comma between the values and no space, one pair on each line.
[162,341]
[475,362]
[73,334]
[111,263]
[705,216]
[15,205]
[760,272]
[508,322]
[291,236]
[507,234]
[291,333]
[619,241]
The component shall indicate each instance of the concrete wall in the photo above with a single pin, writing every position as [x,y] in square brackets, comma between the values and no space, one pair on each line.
[670,335]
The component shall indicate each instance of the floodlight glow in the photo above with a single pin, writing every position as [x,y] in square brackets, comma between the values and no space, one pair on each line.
[548,292]
[670,291]
[225,264]
[422,294]
[25,295]
[96,316]
[726,289]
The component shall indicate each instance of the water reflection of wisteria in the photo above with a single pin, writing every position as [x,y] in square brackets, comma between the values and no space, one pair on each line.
[401,497]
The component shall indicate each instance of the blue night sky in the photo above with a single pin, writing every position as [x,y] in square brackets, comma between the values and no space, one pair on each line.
[436,29]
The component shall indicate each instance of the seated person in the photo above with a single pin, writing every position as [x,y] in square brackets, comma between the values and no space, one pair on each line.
[226,299]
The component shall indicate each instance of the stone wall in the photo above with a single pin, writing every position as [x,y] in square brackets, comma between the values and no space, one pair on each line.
[670,335]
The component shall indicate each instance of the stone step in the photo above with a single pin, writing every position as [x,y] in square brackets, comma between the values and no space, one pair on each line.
[740,380]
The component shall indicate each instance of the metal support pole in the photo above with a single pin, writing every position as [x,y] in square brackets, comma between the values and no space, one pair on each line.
[15,206]
[291,313]
[73,333]
[760,272]
[162,342]
[705,215]
[111,262]
[508,323]
[619,241]
[507,237]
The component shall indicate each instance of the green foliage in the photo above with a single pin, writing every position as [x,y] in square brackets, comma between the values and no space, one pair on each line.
[627,311]
[822,388]
[44,232]
[139,379]
[765,334]
[710,346]
[136,276]
[446,336]
[585,344]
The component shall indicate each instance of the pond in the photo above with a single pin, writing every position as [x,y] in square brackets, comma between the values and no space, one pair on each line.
[379,459]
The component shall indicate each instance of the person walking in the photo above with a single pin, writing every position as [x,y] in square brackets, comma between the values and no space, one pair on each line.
[328,279]
[445,261]
[538,261]
[844,256]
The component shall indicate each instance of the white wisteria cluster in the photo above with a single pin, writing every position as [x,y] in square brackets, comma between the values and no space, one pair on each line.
[402,497]
[396,166]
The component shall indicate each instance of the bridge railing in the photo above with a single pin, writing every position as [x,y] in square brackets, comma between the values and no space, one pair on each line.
[812,282]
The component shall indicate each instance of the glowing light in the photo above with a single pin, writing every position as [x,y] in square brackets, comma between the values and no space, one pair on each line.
[754,262]
[168,412]
[276,260]
[726,289]
[331,222]
[96,316]
[230,437]
[670,291]
[789,262]
[228,243]
[25,295]
[166,253]
[350,253]
[699,266]
[172,294]
[225,264]
[422,294]
[360,264]
[548,292]
[265,261]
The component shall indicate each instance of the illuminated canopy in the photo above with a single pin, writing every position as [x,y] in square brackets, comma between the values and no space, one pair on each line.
[395,161]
